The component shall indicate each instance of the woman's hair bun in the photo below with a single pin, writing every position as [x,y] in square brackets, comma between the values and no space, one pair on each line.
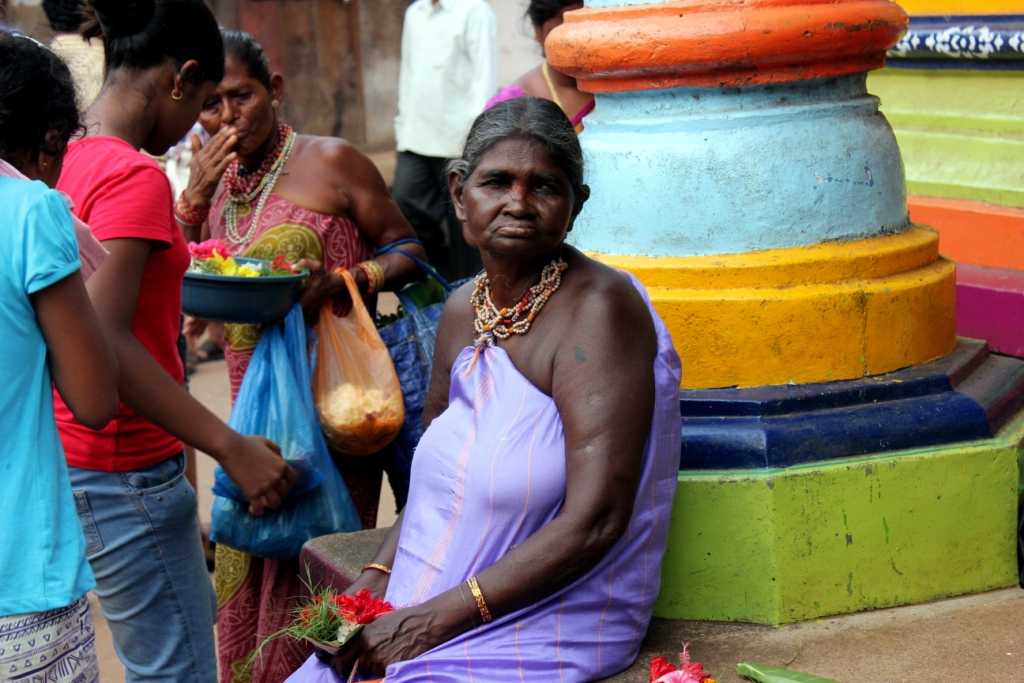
[113,19]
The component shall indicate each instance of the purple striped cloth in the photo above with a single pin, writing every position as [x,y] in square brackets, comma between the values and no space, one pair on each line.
[488,473]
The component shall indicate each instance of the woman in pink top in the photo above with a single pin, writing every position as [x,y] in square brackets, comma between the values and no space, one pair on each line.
[543,81]
[267,190]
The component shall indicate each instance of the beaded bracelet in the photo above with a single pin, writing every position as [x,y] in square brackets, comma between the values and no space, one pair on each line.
[478,596]
[189,215]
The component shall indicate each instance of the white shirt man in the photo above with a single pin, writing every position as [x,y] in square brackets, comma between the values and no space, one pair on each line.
[448,72]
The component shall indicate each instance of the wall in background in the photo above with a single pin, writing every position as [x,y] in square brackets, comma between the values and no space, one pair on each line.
[340,58]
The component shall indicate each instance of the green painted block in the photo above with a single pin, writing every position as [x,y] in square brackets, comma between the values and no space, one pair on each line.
[784,545]
[961,133]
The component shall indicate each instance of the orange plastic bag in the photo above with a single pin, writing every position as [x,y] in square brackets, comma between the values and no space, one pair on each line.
[358,396]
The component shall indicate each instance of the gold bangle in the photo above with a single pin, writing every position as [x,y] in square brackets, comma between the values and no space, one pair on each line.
[478,596]
[379,567]
[374,275]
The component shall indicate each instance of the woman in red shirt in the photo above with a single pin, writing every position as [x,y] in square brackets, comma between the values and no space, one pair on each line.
[164,58]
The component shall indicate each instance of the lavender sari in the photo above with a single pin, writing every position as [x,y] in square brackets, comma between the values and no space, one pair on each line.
[488,473]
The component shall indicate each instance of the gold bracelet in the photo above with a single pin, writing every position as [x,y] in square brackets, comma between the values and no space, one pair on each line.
[374,275]
[379,567]
[478,596]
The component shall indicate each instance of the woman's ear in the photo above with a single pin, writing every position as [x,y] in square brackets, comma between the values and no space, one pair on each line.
[277,88]
[581,200]
[455,187]
[188,74]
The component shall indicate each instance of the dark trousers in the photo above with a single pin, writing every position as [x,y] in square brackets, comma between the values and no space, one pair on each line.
[420,189]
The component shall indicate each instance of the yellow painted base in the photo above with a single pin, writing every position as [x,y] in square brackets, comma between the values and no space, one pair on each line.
[835,311]
[970,7]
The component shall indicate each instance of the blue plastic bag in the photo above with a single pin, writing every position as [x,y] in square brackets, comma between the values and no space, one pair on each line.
[410,341]
[276,401]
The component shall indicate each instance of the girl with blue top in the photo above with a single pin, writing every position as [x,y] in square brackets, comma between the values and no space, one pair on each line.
[52,338]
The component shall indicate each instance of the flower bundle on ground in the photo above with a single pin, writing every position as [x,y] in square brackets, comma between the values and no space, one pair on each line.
[688,671]
[215,257]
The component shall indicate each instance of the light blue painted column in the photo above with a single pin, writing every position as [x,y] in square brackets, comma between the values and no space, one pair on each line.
[696,171]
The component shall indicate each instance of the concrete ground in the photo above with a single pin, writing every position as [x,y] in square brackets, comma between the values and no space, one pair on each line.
[978,638]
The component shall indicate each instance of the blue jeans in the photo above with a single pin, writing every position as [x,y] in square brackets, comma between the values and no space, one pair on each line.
[142,540]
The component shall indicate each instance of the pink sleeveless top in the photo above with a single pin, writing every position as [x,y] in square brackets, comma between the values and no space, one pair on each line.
[297,233]
[514,92]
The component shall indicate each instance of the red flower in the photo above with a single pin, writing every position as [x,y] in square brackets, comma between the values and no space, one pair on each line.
[205,250]
[688,671]
[361,608]
[281,263]
[659,667]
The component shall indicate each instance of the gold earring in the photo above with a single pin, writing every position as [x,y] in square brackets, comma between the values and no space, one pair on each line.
[176,95]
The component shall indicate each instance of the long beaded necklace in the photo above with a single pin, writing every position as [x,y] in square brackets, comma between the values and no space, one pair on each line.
[492,323]
[243,188]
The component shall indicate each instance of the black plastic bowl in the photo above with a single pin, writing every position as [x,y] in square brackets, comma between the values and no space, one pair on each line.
[255,300]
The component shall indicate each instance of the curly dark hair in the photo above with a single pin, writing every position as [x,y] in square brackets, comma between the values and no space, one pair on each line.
[138,34]
[38,109]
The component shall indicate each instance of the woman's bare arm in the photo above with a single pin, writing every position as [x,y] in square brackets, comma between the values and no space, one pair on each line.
[82,361]
[260,473]
[359,193]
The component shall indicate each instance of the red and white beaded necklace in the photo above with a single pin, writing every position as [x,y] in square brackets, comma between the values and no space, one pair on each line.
[492,324]
[244,188]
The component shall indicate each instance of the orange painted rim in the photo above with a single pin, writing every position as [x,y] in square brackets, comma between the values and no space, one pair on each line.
[724,43]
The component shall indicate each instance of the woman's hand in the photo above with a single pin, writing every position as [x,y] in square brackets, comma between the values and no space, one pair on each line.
[193,330]
[209,162]
[323,286]
[394,637]
[256,465]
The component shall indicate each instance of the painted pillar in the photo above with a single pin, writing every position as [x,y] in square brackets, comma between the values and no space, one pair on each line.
[834,430]
[954,91]
[778,248]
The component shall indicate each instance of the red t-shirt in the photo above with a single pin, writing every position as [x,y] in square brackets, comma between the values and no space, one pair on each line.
[121,193]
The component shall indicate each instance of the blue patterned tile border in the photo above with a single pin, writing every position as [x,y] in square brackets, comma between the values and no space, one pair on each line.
[995,41]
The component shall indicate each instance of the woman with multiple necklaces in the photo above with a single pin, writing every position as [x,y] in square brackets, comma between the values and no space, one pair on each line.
[543,81]
[308,198]
[531,545]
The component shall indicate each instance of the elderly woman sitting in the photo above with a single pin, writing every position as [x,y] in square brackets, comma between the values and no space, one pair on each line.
[531,545]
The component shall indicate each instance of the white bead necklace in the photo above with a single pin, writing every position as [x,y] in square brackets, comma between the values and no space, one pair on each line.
[234,237]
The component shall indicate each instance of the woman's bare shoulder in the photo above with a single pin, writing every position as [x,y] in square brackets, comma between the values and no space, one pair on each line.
[334,171]
[607,297]
[336,154]
[533,84]
[457,310]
